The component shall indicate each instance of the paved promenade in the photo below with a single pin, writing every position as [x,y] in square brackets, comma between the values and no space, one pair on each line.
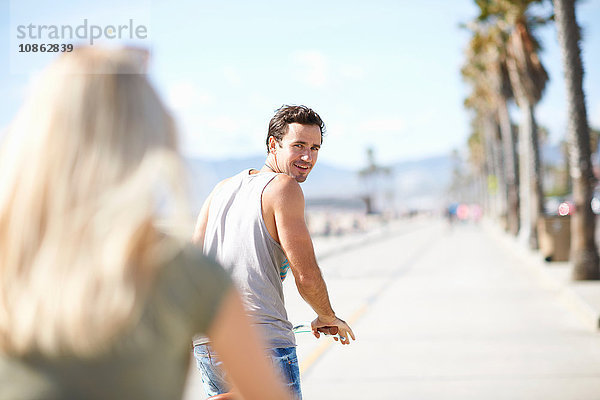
[447,313]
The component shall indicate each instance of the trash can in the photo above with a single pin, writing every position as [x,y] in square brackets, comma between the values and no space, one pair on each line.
[555,237]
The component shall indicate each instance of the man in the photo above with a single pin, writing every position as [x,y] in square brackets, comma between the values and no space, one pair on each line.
[253,224]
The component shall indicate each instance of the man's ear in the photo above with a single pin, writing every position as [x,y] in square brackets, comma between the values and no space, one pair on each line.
[272,144]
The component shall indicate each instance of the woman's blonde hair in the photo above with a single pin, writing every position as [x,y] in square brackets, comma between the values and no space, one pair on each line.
[86,167]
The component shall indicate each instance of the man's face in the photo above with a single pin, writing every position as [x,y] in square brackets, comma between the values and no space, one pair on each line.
[297,152]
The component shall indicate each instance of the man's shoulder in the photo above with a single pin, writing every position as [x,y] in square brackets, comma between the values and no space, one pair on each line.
[233,178]
[219,186]
[284,190]
[284,184]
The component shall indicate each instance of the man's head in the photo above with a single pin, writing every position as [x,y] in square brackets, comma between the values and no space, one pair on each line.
[293,141]
[285,115]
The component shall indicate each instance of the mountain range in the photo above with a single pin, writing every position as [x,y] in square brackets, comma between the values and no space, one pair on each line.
[417,184]
[413,184]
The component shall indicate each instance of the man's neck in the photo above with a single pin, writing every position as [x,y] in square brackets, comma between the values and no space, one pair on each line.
[270,165]
[267,168]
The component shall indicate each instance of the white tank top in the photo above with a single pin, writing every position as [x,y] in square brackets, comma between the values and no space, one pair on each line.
[236,236]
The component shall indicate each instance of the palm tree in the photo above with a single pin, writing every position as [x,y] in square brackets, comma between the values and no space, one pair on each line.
[584,253]
[500,83]
[479,163]
[486,69]
[485,154]
[528,79]
[511,165]
[486,159]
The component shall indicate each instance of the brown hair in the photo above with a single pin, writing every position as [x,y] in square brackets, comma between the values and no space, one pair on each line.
[285,115]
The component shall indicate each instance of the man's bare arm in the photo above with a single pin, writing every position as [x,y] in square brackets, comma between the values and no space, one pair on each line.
[286,200]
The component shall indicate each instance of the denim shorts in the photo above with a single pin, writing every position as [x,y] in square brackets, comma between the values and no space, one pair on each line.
[214,378]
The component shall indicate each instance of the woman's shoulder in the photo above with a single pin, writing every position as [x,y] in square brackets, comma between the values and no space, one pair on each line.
[190,264]
[193,286]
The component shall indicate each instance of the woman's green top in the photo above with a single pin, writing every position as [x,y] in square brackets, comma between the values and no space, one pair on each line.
[149,360]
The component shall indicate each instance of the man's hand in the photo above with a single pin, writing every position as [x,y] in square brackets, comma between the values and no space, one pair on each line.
[334,326]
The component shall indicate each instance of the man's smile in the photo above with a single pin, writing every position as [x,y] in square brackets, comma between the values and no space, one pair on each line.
[304,167]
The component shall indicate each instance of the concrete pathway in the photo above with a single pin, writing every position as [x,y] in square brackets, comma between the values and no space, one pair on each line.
[442,313]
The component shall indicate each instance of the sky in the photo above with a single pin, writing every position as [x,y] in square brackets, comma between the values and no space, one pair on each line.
[383,74]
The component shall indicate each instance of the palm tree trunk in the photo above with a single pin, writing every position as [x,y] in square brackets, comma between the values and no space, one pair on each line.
[537,192]
[489,167]
[530,175]
[584,253]
[487,198]
[499,160]
[511,168]
[495,167]
[524,185]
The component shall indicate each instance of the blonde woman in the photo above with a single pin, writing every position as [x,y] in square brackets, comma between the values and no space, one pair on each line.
[97,302]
